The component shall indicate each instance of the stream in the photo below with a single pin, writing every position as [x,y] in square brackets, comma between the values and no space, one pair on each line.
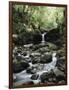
[24,77]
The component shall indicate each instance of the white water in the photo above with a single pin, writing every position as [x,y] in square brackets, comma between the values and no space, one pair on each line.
[24,77]
[43,38]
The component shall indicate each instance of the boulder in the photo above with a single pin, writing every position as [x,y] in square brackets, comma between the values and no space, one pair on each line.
[44,77]
[19,66]
[57,72]
[60,76]
[52,35]
[61,63]
[34,77]
[35,60]
[48,77]
[46,58]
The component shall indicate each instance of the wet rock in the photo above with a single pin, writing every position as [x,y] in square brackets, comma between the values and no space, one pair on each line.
[34,77]
[31,70]
[19,66]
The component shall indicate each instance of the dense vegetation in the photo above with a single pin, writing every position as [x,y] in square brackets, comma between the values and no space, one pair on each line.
[30,21]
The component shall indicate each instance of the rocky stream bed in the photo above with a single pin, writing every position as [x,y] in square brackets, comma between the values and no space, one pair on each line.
[38,64]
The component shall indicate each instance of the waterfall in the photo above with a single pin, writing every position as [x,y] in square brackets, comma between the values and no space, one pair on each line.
[43,38]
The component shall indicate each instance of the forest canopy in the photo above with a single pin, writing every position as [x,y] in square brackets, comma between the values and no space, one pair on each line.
[36,19]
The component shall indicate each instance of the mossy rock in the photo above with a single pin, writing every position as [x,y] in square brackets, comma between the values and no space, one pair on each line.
[46,58]
[19,66]
[52,46]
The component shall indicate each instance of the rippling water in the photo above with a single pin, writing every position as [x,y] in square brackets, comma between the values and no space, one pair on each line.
[24,77]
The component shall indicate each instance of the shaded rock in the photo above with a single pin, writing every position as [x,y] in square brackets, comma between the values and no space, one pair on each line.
[46,58]
[53,35]
[44,77]
[59,75]
[19,66]
[62,68]
[48,77]
[61,52]
[60,78]
[29,83]
[35,60]
[37,38]
[61,63]
[19,57]
[34,77]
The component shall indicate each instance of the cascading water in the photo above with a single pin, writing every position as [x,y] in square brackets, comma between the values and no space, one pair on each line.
[24,77]
[43,37]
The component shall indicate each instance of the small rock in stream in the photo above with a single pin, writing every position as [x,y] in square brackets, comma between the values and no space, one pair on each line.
[31,70]
[34,77]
